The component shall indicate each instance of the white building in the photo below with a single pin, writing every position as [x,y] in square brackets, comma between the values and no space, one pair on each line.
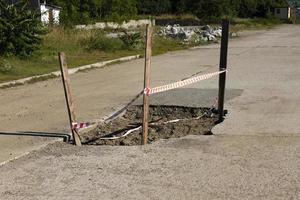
[49,13]
[283,12]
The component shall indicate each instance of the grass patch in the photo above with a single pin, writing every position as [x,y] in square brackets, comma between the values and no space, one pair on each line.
[78,46]
[98,41]
[164,44]
[45,60]
[241,24]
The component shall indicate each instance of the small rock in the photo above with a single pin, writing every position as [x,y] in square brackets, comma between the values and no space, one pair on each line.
[206,28]
[233,34]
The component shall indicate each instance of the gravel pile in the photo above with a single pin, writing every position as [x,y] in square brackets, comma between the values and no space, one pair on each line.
[192,34]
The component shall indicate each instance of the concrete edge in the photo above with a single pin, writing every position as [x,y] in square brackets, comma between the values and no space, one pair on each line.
[28,152]
[71,71]
[82,131]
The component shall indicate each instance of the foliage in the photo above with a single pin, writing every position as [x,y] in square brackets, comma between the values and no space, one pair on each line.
[294,2]
[70,41]
[5,66]
[99,41]
[20,29]
[154,7]
[132,40]
[85,11]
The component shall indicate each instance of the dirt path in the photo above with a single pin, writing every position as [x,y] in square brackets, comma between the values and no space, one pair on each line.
[254,154]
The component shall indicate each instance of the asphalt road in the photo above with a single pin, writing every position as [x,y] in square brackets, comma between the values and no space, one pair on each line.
[254,154]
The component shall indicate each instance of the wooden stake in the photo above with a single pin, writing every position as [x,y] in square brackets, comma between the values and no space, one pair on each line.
[148,54]
[69,97]
[223,66]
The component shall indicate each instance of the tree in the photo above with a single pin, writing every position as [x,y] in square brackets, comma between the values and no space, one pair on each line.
[214,8]
[83,11]
[179,6]
[154,7]
[120,8]
[20,29]
[247,8]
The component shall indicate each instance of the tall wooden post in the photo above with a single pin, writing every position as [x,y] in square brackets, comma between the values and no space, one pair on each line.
[68,97]
[223,66]
[148,54]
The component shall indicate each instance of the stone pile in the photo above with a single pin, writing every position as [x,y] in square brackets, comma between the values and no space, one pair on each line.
[192,34]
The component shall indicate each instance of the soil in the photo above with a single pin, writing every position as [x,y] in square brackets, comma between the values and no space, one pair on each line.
[192,121]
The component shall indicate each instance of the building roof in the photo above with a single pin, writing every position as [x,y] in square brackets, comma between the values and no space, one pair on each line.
[51,6]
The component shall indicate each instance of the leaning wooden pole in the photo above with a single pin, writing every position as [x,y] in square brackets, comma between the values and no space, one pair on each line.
[223,66]
[68,97]
[148,54]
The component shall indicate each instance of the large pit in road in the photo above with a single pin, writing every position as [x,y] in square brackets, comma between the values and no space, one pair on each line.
[165,122]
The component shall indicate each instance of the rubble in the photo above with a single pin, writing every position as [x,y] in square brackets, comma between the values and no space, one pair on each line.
[192,34]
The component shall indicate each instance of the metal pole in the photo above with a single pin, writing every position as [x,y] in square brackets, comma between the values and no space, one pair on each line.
[148,53]
[223,66]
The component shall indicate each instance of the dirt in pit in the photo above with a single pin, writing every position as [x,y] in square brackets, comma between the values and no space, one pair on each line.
[164,122]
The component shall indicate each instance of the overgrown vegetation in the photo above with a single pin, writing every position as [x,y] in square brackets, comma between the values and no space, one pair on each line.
[81,47]
[98,40]
[20,30]
[240,24]
[5,66]
[295,3]
[85,11]
[132,40]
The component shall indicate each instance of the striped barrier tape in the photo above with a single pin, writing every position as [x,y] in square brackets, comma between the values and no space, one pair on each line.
[179,84]
[116,114]
[149,91]
[76,126]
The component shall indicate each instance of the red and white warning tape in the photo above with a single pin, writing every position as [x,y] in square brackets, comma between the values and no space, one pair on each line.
[77,126]
[149,91]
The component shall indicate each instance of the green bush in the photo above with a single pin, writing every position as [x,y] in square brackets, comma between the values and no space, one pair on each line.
[99,41]
[5,66]
[132,40]
[20,29]
[126,41]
